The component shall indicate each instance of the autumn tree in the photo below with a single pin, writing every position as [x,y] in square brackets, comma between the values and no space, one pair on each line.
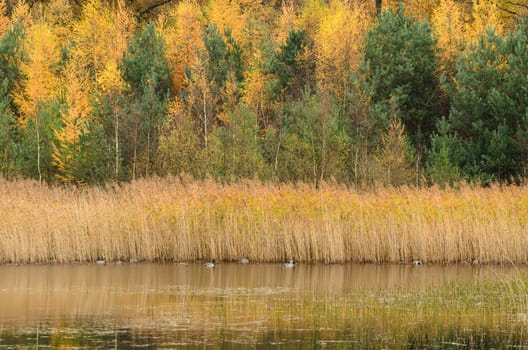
[180,150]
[79,151]
[310,142]
[227,15]
[338,46]
[216,80]
[393,160]
[450,32]
[4,20]
[485,14]
[40,81]
[148,77]
[183,37]
[108,94]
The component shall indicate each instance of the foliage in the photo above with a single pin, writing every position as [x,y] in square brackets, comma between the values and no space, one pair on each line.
[441,166]
[488,112]
[290,91]
[147,75]
[393,161]
[284,64]
[12,56]
[310,144]
[400,65]
[180,148]
[8,130]
[235,151]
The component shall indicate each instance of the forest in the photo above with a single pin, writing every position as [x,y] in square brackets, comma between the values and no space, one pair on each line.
[347,91]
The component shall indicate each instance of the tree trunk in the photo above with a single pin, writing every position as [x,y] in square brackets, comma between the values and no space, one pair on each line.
[116,125]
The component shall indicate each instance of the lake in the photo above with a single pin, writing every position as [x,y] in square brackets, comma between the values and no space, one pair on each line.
[262,306]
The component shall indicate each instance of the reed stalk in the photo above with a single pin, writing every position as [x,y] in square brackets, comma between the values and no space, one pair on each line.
[188,220]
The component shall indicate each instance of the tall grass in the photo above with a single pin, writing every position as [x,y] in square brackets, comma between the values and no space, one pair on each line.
[175,219]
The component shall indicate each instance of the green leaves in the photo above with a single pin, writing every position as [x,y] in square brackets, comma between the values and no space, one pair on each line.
[400,65]
[489,105]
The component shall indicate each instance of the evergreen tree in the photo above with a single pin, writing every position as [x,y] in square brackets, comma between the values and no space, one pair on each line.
[8,128]
[400,65]
[488,111]
[441,157]
[148,76]
[285,67]
[12,56]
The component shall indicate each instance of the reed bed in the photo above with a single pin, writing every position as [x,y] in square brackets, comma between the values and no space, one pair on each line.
[187,220]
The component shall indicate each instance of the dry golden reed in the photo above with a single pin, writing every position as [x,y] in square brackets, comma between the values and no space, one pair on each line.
[185,220]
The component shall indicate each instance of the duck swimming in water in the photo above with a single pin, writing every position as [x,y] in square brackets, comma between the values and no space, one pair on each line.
[210,265]
[289,264]
[417,262]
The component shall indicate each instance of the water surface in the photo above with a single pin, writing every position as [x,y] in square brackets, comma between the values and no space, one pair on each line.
[259,306]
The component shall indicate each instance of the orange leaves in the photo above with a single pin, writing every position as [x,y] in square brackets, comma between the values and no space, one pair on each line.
[101,35]
[110,78]
[41,82]
[486,14]
[4,21]
[338,44]
[449,27]
[184,39]
[73,121]
[227,14]
[394,159]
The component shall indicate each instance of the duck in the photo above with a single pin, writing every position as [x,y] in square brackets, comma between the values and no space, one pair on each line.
[244,261]
[289,264]
[417,262]
[210,265]
[100,262]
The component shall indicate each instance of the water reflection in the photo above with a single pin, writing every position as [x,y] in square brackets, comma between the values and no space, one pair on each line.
[240,306]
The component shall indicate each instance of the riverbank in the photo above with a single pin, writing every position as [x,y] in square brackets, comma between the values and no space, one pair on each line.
[171,219]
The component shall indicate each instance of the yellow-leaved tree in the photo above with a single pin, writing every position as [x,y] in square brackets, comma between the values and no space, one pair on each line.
[40,83]
[227,15]
[393,160]
[338,45]
[101,35]
[59,15]
[420,9]
[184,40]
[312,13]
[450,31]
[286,21]
[67,149]
[111,85]
[4,20]
[22,14]
[486,15]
